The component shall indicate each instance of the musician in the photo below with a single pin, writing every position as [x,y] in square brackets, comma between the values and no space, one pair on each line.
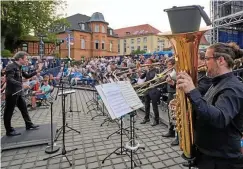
[204,83]
[152,94]
[14,84]
[218,115]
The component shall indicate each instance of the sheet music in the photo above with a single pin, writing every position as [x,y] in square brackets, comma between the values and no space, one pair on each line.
[99,89]
[130,95]
[116,99]
[119,98]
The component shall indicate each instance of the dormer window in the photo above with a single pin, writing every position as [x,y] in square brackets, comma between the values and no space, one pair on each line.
[111,32]
[127,33]
[82,26]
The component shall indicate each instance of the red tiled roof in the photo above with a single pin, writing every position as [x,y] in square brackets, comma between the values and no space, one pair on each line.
[204,41]
[136,30]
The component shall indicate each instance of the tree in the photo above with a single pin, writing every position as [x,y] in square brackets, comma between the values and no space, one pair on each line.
[138,52]
[20,18]
[6,54]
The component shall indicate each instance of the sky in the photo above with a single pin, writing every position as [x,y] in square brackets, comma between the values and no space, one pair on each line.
[124,13]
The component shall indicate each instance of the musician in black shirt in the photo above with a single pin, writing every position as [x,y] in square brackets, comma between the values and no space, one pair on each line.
[13,92]
[218,123]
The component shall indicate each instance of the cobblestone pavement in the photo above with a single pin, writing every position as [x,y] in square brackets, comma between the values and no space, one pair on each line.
[93,145]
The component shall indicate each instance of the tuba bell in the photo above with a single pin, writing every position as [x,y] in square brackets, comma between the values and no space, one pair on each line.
[185,39]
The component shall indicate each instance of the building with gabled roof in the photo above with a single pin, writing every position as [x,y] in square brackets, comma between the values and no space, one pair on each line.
[141,37]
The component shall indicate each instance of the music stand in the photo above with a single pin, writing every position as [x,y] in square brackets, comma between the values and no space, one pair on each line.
[64,94]
[64,151]
[52,148]
[121,99]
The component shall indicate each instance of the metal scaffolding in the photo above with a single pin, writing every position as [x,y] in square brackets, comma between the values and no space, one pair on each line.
[226,14]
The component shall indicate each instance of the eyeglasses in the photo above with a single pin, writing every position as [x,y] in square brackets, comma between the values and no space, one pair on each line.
[208,58]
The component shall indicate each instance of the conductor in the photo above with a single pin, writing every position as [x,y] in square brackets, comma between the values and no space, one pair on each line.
[13,92]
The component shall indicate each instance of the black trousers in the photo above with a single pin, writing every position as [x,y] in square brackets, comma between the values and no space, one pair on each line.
[10,103]
[207,162]
[153,95]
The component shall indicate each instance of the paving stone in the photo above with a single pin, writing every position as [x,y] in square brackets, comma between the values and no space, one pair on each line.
[153,159]
[14,167]
[27,165]
[163,157]
[119,166]
[158,165]
[93,165]
[116,160]
[175,167]
[79,161]
[16,162]
[169,162]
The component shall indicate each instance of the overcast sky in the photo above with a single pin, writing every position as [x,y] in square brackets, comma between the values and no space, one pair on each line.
[124,13]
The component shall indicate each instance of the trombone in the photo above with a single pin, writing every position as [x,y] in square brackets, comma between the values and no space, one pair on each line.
[172,75]
[159,76]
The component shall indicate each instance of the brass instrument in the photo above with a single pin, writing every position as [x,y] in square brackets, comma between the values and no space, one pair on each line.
[156,78]
[186,57]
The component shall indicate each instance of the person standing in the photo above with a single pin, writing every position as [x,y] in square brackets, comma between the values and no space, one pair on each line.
[14,96]
[218,117]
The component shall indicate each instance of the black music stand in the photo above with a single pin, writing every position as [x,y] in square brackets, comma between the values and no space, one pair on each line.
[52,148]
[61,129]
[64,151]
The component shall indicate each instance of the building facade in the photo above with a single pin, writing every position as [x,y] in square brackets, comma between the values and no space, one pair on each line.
[90,37]
[141,37]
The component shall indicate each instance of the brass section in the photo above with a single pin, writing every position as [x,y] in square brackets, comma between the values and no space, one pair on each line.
[186,56]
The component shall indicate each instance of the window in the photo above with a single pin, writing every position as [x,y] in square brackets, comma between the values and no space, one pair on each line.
[158,48]
[144,39]
[97,28]
[25,47]
[138,48]
[118,48]
[111,32]
[103,45]
[82,44]
[138,40]
[111,46]
[125,41]
[96,44]
[103,29]
[132,41]
[132,48]
[145,48]
[82,26]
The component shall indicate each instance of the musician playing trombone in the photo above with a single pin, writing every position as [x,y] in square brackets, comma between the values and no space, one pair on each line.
[152,94]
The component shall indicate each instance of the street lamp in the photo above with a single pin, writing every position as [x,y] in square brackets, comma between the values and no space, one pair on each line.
[68,41]
[41,45]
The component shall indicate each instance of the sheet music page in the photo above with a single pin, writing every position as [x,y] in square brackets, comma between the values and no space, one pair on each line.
[103,97]
[130,95]
[115,99]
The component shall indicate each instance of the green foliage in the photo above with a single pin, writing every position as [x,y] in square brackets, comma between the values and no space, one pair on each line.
[138,52]
[6,54]
[19,18]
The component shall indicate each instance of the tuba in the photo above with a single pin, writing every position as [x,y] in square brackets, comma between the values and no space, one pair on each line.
[185,39]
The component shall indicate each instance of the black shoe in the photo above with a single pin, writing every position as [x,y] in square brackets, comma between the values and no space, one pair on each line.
[171,133]
[13,133]
[145,121]
[187,164]
[155,123]
[175,142]
[32,127]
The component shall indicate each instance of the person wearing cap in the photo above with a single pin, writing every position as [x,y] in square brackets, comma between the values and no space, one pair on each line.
[218,116]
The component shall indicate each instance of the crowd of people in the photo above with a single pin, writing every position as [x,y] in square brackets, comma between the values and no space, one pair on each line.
[217,99]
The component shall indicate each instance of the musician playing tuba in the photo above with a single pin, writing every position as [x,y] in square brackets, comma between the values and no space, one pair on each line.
[204,83]
[218,117]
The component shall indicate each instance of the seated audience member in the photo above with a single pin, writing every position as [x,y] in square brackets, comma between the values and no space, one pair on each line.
[42,93]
